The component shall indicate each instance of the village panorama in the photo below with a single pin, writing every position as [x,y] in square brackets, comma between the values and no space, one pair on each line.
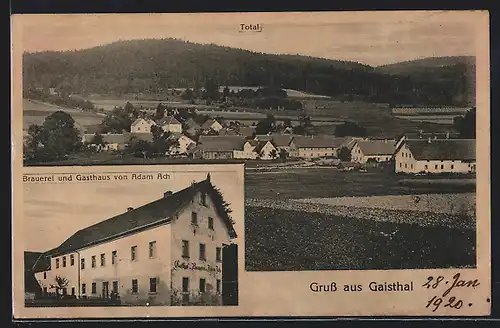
[347,165]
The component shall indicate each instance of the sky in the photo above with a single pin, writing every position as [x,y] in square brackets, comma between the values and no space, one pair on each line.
[55,211]
[372,38]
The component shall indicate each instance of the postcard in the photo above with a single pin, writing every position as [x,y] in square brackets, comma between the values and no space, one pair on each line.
[251,164]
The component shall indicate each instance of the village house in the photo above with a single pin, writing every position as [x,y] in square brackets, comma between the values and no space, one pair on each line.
[247,151]
[280,141]
[170,124]
[375,150]
[436,156]
[218,147]
[266,150]
[170,251]
[314,146]
[142,125]
[110,141]
[184,143]
[212,125]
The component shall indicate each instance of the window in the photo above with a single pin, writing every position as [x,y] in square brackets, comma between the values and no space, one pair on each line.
[194,218]
[202,252]
[185,248]
[400,165]
[152,249]
[103,259]
[426,167]
[93,261]
[64,261]
[217,286]
[204,199]
[442,167]
[152,285]
[71,260]
[452,166]
[406,165]
[218,256]
[115,287]
[65,291]
[134,286]
[411,165]
[133,253]
[82,263]
[84,288]
[436,167]
[57,263]
[73,291]
[45,275]
[202,285]
[210,223]
[94,288]
[113,257]
[185,290]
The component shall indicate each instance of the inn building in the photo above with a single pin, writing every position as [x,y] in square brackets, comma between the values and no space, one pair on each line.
[171,251]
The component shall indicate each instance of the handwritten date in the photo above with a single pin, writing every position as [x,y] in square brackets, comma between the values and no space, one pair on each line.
[455,283]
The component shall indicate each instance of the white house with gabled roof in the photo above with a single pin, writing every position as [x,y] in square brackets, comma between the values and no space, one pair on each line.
[142,125]
[170,251]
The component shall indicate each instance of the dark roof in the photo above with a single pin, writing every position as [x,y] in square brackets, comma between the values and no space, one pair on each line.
[155,213]
[30,259]
[246,131]
[377,147]
[168,120]
[321,141]
[220,143]
[442,149]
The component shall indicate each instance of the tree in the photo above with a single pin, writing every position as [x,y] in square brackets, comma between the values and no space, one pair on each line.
[344,154]
[118,120]
[97,139]
[350,129]
[266,125]
[466,126]
[61,283]
[225,92]
[211,89]
[56,138]
[283,154]
[160,112]
[287,123]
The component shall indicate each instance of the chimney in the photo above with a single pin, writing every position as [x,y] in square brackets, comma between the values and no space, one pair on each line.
[167,193]
[129,209]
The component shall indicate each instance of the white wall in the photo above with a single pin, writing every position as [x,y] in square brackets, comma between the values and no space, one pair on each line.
[183,230]
[176,128]
[405,162]
[246,153]
[124,269]
[142,127]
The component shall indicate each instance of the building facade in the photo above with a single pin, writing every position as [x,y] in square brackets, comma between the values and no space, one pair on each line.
[436,156]
[376,150]
[142,125]
[167,252]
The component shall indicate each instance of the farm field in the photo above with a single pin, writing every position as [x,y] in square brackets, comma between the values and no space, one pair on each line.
[288,240]
[34,112]
[325,182]
[322,219]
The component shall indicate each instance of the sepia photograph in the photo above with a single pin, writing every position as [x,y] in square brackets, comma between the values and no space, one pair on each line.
[369,146]
[355,133]
[152,245]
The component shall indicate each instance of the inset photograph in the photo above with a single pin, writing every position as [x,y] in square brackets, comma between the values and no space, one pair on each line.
[151,238]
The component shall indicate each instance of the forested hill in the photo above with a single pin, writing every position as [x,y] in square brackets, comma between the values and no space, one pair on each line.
[412,66]
[152,66]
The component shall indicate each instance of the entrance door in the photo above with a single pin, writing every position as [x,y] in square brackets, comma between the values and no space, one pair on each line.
[105,289]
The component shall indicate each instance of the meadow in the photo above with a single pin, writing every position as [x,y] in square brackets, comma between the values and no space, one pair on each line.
[34,112]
